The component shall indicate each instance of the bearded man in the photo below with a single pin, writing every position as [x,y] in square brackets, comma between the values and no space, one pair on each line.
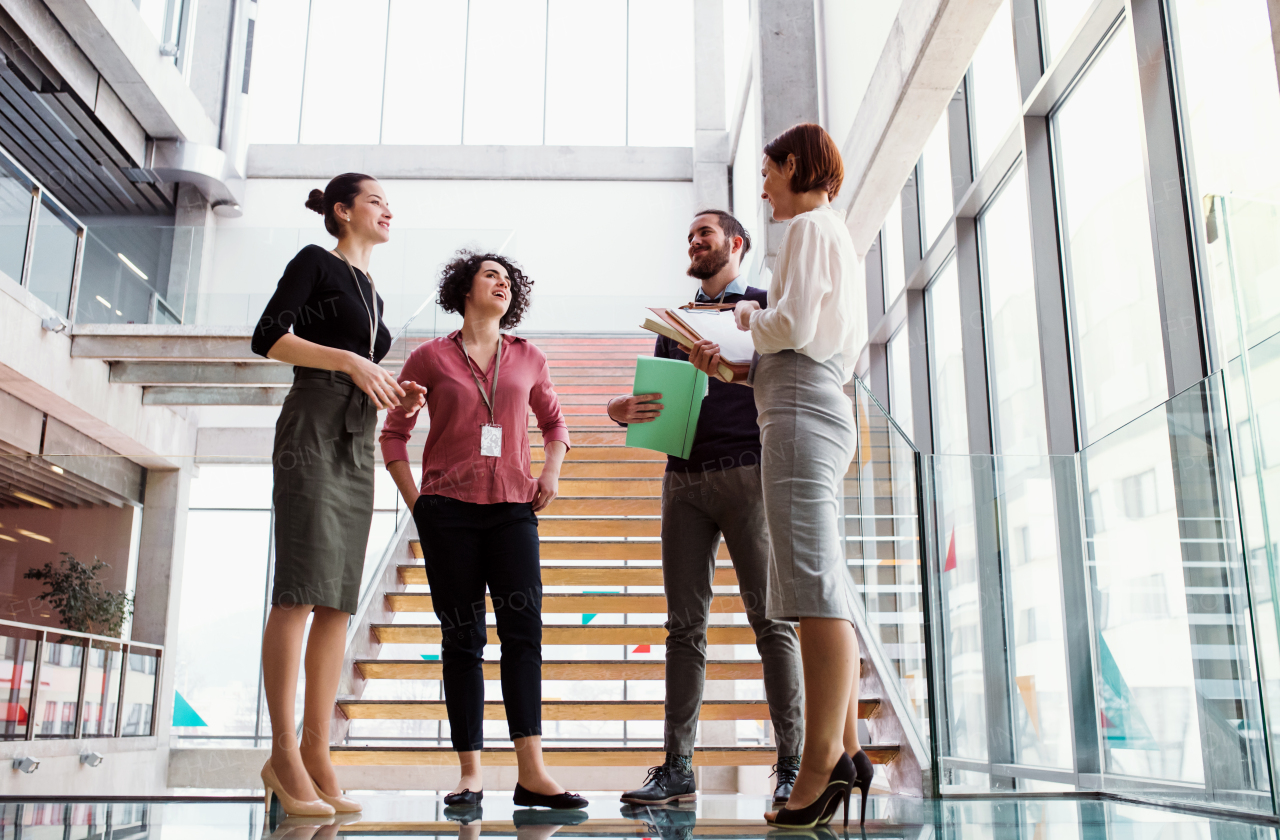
[715,492]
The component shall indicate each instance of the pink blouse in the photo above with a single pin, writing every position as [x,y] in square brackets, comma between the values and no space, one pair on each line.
[451,463]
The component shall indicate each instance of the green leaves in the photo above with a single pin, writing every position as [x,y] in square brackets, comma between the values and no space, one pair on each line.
[80,598]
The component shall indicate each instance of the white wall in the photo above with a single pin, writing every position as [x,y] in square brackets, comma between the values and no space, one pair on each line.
[597,251]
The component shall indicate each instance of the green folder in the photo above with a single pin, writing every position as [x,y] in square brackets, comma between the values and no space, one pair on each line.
[682,387]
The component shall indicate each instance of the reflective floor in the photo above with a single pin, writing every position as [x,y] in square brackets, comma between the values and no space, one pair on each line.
[408,815]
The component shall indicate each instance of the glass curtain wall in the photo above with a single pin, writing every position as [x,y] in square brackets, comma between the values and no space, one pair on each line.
[489,72]
[226,589]
[1135,566]
[1226,65]
[1027,525]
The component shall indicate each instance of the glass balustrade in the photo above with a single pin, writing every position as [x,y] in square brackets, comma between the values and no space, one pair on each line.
[884,550]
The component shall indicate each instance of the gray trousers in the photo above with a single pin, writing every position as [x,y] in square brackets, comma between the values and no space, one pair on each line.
[696,509]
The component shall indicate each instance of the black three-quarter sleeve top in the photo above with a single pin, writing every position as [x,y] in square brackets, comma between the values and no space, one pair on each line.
[318,299]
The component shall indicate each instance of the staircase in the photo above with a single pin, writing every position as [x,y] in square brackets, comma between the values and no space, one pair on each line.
[601,533]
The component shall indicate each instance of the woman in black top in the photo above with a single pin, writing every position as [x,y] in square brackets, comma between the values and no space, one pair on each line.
[323,471]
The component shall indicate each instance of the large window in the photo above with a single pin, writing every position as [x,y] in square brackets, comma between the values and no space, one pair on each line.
[899,352]
[1023,475]
[1115,312]
[937,197]
[492,72]
[895,278]
[946,360]
[994,101]
[1017,395]
[226,589]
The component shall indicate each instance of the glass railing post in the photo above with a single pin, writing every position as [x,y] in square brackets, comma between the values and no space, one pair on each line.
[84,679]
[1077,636]
[992,600]
[935,687]
[35,686]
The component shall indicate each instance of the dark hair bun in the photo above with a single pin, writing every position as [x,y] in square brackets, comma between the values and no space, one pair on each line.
[315,201]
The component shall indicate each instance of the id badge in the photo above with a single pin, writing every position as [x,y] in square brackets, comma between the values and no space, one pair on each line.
[491,440]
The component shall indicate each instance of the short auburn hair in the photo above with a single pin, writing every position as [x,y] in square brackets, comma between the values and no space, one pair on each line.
[818,163]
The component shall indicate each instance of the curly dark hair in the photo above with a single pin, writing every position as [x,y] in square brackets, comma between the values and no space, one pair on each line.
[457,275]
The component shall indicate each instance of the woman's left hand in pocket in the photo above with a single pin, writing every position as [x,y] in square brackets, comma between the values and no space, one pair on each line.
[548,489]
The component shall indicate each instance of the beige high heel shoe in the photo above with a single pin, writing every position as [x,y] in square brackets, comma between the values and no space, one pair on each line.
[292,807]
[341,804]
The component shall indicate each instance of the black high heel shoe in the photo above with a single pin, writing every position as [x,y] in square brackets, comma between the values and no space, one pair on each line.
[865,771]
[822,809]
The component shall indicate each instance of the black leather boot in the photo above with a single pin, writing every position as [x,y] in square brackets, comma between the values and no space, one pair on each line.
[786,770]
[671,781]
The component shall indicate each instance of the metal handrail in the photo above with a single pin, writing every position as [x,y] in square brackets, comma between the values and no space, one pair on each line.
[94,636]
[126,647]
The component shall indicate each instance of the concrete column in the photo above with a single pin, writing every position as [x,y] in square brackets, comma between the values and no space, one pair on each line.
[159,586]
[193,227]
[786,67]
[711,137]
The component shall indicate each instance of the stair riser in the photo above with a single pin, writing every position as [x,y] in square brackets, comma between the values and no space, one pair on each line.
[553,550]
[586,576]
[580,670]
[553,711]
[603,506]
[597,604]
[625,469]
[411,634]
[495,710]
[571,757]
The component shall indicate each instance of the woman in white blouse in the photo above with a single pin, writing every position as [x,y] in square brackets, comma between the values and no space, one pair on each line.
[807,341]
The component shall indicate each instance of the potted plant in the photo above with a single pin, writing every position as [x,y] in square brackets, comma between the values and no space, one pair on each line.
[86,606]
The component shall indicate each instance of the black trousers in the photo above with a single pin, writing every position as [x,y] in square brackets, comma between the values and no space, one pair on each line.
[468,547]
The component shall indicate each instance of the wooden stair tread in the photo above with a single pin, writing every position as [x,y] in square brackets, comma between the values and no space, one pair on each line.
[588,575]
[566,669]
[571,634]
[571,709]
[348,756]
[556,602]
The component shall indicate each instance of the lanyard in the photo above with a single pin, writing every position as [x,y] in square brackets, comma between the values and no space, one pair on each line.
[497,364]
[373,330]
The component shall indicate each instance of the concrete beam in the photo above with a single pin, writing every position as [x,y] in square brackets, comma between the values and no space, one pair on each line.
[37,367]
[927,53]
[475,163]
[161,343]
[126,54]
[201,373]
[711,137]
[787,66]
[179,395]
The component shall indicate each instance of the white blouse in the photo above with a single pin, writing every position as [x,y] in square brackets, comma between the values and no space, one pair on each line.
[818,297]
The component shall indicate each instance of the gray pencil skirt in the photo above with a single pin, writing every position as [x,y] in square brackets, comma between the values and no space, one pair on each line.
[323,493]
[808,436]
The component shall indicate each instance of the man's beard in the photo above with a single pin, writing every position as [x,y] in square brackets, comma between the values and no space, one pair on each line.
[708,264]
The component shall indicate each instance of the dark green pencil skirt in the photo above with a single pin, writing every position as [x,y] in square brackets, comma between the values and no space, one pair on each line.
[323,494]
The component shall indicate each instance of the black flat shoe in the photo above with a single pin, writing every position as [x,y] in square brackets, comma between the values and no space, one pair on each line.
[532,816]
[463,813]
[822,809]
[466,796]
[566,801]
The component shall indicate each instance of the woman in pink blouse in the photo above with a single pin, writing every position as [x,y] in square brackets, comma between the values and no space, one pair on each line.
[476,507]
